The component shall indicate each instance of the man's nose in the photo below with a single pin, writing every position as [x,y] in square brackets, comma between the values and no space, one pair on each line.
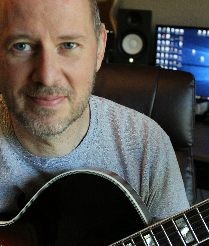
[47,70]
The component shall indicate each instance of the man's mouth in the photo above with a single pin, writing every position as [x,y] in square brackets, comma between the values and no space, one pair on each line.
[48,101]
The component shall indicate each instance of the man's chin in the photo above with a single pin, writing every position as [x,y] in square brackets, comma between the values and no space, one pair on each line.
[46,130]
[44,126]
[49,122]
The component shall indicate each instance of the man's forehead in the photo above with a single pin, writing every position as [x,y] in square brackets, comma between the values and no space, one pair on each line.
[6,5]
[10,9]
[21,17]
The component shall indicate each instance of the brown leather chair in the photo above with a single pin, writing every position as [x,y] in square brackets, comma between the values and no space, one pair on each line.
[166,96]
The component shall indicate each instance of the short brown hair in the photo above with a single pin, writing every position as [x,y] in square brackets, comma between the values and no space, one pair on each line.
[95,17]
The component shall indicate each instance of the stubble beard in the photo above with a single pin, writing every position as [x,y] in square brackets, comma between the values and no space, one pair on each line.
[33,118]
[50,130]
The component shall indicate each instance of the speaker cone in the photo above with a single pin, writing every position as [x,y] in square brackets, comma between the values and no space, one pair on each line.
[132,44]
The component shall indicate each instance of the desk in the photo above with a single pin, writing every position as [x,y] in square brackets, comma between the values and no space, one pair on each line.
[201,154]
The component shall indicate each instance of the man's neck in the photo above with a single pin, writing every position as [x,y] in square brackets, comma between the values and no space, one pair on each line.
[58,145]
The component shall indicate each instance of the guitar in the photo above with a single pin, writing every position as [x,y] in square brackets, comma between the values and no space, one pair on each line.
[92,207]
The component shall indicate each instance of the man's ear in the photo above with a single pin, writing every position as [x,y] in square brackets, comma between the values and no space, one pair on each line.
[101,46]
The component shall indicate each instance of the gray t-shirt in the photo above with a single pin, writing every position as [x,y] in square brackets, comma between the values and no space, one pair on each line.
[118,139]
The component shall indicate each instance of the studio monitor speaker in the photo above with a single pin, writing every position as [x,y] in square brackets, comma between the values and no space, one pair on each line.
[132,41]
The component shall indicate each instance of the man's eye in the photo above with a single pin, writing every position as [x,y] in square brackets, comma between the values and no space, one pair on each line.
[70,45]
[21,47]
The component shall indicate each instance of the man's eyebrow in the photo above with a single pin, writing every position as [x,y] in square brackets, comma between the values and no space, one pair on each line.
[14,37]
[73,36]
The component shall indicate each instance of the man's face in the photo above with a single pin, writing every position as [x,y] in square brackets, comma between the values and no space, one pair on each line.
[49,55]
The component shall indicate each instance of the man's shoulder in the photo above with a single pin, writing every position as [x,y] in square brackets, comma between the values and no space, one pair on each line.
[123,118]
[112,109]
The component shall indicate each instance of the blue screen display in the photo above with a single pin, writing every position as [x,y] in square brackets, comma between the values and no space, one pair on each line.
[186,49]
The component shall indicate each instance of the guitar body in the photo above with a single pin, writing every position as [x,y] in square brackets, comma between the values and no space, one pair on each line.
[77,208]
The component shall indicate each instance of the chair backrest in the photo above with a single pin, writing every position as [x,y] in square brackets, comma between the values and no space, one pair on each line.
[166,96]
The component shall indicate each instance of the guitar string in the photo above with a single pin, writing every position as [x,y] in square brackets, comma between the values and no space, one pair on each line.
[171,227]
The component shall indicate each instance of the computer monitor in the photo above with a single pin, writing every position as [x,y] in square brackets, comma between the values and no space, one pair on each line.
[187,49]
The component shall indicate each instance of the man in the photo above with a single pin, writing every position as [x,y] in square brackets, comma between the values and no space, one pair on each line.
[50,51]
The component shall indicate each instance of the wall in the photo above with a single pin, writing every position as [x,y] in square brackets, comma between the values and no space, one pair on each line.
[177,12]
